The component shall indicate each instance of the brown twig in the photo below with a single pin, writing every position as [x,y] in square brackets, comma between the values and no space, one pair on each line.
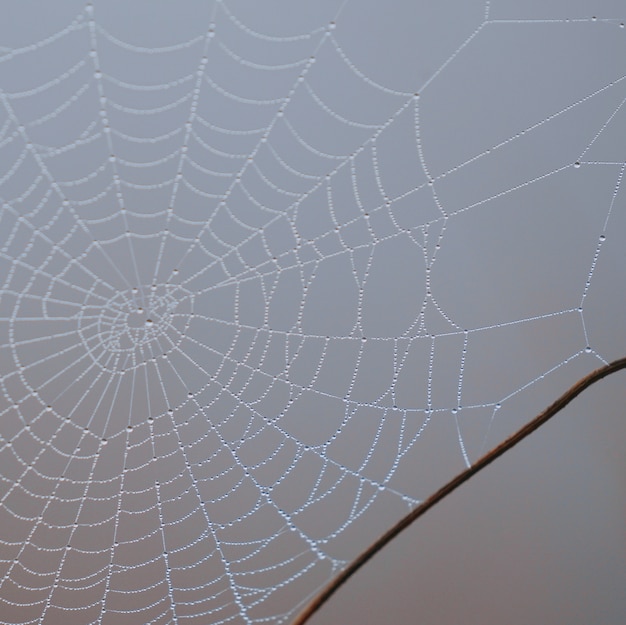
[320,599]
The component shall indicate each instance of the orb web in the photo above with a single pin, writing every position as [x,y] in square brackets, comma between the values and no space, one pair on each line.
[260,288]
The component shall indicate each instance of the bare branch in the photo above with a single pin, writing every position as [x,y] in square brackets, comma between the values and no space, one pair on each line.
[320,599]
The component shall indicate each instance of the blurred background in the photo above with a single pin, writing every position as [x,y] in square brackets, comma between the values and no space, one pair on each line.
[272,273]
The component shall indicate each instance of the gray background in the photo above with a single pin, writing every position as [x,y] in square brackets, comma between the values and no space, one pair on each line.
[273,272]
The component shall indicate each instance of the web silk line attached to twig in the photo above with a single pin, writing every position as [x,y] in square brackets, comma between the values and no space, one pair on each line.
[328,591]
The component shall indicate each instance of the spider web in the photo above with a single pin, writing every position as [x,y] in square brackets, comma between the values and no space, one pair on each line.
[262,280]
